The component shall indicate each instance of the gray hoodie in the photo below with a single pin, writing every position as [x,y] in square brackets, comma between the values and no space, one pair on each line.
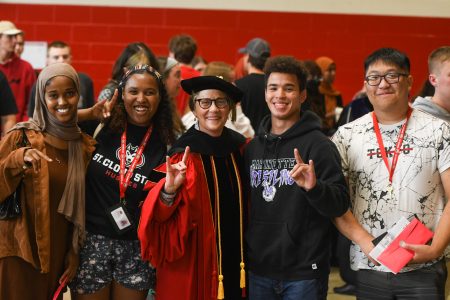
[428,106]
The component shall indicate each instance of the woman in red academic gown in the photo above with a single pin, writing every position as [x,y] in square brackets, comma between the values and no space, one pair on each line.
[191,222]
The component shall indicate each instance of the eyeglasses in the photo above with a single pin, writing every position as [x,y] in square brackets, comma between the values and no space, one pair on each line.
[390,78]
[206,103]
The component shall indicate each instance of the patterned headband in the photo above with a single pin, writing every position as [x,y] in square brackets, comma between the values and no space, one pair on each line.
[132,70]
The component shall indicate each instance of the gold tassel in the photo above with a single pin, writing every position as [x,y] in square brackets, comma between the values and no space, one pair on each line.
[220,293]
[242,275]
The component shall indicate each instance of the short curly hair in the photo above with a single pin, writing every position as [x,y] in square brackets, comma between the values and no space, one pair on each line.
[289,65]
[163,118]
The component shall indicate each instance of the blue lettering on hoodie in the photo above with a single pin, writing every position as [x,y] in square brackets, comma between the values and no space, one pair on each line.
[271,172]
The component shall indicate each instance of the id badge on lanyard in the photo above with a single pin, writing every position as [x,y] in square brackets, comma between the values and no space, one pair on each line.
[398,145]
[118,213]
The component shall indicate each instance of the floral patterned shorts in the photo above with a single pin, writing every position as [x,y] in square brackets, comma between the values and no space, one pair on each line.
[103,260]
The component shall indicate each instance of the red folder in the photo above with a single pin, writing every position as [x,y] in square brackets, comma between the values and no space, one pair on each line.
[396,257]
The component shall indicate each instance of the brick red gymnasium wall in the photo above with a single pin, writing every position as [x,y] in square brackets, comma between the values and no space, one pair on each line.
[98,34]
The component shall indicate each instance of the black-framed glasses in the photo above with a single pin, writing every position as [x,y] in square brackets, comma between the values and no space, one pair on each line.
[206,103]
[390,78]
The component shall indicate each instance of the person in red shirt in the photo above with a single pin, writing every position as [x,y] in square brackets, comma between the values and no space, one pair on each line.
[183,48]
[20,74]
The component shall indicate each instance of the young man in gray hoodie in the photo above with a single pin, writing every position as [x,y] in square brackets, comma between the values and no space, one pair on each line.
[439,68]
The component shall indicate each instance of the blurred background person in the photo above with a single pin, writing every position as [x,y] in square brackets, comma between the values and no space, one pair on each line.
[426,90]
[240,67]
[171,73]
[359,106]
[253,103]
[199,64]
[435,98]
[60,52]
[183,48]
[315,101]
[20,44]
[221,69]
[20,73]
[8,108]
[333,98]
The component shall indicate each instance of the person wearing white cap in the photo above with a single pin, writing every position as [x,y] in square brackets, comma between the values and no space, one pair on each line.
[20,74]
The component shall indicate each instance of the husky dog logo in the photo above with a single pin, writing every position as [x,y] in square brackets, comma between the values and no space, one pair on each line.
[130,154]
[268,191]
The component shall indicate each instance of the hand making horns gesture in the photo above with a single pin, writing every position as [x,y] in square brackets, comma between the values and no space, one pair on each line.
[176,173]
[303,174]
[102,109]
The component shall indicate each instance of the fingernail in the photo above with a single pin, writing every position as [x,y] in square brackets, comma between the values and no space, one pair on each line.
[402,243]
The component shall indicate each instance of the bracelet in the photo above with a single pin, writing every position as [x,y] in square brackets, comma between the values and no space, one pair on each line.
[167,198]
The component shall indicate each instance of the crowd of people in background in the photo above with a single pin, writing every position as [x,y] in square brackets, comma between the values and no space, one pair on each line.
[194,179]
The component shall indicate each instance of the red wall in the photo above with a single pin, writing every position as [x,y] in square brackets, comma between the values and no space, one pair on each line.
[98,34]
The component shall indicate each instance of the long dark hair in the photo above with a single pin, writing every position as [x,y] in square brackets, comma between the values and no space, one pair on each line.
[163,118]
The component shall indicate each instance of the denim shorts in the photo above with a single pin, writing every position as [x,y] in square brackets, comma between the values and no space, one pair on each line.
[103,260]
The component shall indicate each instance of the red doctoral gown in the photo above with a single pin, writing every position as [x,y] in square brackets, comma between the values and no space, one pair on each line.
[181,241]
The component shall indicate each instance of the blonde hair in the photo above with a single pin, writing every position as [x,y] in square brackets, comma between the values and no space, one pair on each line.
[139,58]
[437,57]
[219,68]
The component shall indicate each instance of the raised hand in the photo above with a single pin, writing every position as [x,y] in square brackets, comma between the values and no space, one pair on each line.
[176,173]
[102,109]
[33,157]
[109,105]
[303,174]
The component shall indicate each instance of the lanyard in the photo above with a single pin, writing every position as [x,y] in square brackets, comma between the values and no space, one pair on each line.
[125,178]
[398,145]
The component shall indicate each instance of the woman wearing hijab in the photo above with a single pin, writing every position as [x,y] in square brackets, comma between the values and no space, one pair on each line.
[191,222]
[39,249]
[333,98]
